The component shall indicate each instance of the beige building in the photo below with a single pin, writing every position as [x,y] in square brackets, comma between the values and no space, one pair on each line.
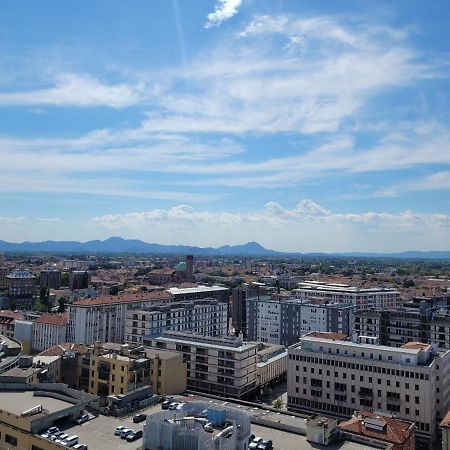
[271,366]
[28,410]
[168,372]
[215,365]
[8,322]
[327,373]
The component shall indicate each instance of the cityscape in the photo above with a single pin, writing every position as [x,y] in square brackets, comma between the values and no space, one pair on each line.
[225,225]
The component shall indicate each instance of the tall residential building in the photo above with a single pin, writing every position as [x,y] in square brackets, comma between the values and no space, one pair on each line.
[284,321]
[239,303]
[2,259]
[50,279]
[3,279]
[327,373]
[397,327]
[21,283]
[362,298]
[223,366]
[78,279]
[206,316]
[104,318]
[49,330]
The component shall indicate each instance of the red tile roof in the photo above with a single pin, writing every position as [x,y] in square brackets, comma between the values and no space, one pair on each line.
[445,421]
[11,314]
[328,335]
[162,271]
[416,345]
[124,298]
[395,431]
[60,349]
[53,319]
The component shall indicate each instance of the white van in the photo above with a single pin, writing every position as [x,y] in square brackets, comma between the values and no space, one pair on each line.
[70,441]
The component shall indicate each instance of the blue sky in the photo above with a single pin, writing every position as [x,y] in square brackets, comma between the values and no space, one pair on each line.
[303,125]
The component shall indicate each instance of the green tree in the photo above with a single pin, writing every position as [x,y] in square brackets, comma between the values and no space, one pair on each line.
[44,298]
[278,403]
[61,304]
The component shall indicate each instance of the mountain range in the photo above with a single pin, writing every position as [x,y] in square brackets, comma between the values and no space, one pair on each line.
[120,245]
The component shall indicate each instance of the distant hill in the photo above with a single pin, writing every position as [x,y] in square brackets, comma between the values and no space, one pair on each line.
[120,245]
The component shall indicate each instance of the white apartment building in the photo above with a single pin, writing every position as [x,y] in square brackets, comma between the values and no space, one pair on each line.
[327,373]
[104,318]
[380,298]
[223,366]
[205,316]
[49,330]
[279,320]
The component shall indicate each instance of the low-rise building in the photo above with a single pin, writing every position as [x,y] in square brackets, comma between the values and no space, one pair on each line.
[27,410]
[366,426]
[215,365]
[37,369]
[8,322]
[271,366]
[206,316]
[330,374]
[183,429]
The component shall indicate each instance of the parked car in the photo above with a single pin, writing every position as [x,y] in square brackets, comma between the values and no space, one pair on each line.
[83,418]
[125,432]
[62,438]
[180,406]
[49,432]
[56,435]
[208,427]
[250,438]
[134,436]
[173,406]
[70,441]
[265,445]
[254,444]
[165,404]
[139,418]
[119,429]
[80,447]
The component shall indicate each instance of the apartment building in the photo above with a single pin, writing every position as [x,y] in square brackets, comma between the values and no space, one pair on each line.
[21,283]
[397,327]
[111,369]
[8,322]
[278,320]
[49,330]
[328,373]
[104,318]
[3,280]
[362,298]
[221,293]
[79,279]
[239,303]
[168,371]
[206,316]
[50,279]
[215,365]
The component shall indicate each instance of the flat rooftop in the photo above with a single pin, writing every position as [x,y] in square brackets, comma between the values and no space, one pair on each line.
[16,402]
[197,289]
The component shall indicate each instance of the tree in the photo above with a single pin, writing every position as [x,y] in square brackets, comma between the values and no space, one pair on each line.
[44,298]
[62,304]
[278,403]
[65,279]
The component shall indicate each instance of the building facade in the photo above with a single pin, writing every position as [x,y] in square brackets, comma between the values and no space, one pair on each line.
[216,365]
[104,318]
[50,279]
[206,316]
[49,330]
[327,373]
[21,283]
[379,298]
[284,321]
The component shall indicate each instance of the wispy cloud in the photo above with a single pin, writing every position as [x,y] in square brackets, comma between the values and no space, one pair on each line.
[224,10]
[78,90]
[11,221]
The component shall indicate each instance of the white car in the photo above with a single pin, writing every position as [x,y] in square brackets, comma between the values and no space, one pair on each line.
[254,444]
[62,438]
[83,418]
[119,430]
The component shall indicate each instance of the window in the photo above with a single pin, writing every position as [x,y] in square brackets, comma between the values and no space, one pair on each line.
[10,440]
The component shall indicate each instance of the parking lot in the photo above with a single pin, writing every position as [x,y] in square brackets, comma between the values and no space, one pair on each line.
[98,433]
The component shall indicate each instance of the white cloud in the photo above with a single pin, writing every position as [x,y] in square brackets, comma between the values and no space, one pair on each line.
[48,220]
[78,90]
[224,10]
[11,221]
[306,227]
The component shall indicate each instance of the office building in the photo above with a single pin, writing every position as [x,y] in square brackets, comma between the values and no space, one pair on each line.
[223,366]
[49,330]
[206,316]
[279,320]
[50,279]
[330,374]
[361,298]
[21,283]
[104,318]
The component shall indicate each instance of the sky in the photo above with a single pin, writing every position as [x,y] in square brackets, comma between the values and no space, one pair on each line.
[305,125]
